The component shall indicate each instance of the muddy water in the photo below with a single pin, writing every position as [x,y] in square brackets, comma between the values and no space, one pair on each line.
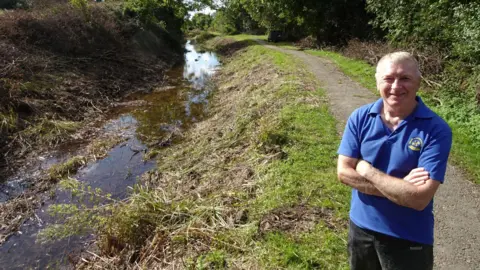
[163,115]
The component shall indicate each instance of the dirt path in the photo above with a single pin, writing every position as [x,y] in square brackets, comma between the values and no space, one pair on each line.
[457,203]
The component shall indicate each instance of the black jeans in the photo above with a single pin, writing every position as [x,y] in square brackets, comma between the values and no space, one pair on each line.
[369,250]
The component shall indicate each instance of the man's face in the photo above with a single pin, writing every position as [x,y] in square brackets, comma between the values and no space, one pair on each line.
[398,83]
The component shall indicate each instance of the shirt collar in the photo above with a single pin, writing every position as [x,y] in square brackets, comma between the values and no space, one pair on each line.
[421,111]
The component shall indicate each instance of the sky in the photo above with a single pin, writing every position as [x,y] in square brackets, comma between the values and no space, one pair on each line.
[206,10]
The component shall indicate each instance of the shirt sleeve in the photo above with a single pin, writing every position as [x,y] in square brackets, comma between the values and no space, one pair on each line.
[350,144]
[434,156]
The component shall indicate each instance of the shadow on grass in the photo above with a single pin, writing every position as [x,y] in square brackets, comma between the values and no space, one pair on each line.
[227,47]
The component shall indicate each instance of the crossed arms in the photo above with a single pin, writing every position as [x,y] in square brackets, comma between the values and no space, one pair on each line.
[415,191]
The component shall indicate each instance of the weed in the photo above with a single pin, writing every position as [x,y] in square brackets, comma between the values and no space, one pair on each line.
[203,36]
[70,167]
[8,122]
[48,132]
[86,215]
[82,5]
[213,260]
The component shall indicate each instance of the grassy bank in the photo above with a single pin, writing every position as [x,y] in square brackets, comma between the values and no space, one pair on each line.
[466,149]
[251,187]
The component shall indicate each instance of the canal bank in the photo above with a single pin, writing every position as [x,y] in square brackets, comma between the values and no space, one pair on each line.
[138,124]
[252,186]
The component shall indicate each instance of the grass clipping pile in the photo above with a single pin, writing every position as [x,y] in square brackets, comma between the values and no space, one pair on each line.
[199,205]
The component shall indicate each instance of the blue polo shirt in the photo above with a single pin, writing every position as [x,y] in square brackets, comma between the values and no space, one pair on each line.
[423,139]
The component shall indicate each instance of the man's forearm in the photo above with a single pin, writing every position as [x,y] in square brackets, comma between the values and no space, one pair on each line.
[395,189]
[351,178]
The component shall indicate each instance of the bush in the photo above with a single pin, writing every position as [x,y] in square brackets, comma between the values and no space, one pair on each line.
[445,25]
[309,42]
[168,15]
[63,30]
[466,35]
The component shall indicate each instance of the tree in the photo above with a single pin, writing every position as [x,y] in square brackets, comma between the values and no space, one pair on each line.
[201,21]
[330,21]
[232,17]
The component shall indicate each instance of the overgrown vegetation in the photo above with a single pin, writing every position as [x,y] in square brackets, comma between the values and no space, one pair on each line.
[446,43]
[451,26]
[251,187]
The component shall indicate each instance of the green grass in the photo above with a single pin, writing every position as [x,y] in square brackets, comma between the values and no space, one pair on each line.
[360,71]
[286,45]
[243,37]
[319,249]
[309,172]
[306,177]
[306,133]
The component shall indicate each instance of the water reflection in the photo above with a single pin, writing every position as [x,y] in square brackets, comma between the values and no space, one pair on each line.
[184,105]
[199,66]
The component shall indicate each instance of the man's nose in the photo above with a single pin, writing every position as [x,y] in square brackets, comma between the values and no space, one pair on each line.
[396,83]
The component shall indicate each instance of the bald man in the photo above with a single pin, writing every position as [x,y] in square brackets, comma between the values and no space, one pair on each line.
[394,155]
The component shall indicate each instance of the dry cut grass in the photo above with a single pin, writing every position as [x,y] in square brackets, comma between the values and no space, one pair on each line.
[251,187]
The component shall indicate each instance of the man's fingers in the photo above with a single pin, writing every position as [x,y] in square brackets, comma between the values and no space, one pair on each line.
[419,183]
[414,175]
[419,179]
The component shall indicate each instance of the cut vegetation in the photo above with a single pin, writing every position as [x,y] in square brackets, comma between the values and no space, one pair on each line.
[251,187]
[64,64]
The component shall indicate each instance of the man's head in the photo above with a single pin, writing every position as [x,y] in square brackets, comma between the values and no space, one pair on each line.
[398,79]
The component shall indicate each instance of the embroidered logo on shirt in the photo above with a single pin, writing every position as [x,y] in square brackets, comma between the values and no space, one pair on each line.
[415,144]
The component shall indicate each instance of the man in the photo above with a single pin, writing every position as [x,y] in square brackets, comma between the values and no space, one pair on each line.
[394,155]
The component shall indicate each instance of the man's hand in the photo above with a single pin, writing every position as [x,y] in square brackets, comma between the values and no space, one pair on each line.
[363,168]
[417,176]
